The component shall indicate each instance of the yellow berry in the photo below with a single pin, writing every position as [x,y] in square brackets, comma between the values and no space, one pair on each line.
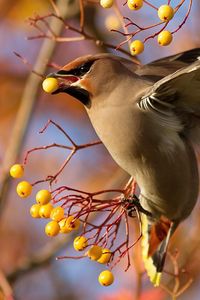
[95,252]
[135,4]
[52,228]
[165,13]
[17,171]
[112,22]
[45,210]
[43,197]
[72,223]
[57,213]
[165,38]
[80,243]
[105,256]
[24,189]
[106,3]
[106,278]
[34,210]
[136,47]
[50,85]
[64,228]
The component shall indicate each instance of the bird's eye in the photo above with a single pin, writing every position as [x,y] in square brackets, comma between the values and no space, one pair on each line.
[82,70]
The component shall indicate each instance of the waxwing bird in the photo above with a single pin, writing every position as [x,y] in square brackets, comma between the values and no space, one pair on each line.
[148,117]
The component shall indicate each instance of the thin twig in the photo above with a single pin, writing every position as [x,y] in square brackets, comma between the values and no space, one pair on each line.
[45,255]
[5,287]
[82,14]
[28,102]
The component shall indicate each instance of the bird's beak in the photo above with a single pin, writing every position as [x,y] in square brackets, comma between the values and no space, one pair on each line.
[66,83]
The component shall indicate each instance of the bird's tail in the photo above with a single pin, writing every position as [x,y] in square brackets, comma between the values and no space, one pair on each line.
[155,239]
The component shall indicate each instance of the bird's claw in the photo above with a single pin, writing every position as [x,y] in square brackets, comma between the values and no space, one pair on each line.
[132,203]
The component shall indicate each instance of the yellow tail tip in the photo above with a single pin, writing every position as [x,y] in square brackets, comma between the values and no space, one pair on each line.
[156,280]
[154,276]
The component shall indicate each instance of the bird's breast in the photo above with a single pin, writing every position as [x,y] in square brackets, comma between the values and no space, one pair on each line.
[118,132]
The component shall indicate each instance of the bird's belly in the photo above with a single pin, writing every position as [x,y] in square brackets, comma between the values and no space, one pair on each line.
[168,182]
[164,167]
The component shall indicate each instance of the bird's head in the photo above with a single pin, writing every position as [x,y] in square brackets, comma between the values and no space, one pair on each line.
[91,76]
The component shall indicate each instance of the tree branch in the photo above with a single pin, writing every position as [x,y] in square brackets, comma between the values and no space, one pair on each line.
[29,98]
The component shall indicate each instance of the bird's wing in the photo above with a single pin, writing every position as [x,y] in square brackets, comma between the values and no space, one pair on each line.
[187,57]
[160,68]
[179,89]
[177,94]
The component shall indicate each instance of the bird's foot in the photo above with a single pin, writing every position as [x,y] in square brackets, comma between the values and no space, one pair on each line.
[132,203]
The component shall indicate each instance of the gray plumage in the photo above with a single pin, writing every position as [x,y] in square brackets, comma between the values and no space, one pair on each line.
[148,117]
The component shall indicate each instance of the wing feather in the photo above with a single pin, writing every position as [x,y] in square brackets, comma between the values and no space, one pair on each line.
[175,99]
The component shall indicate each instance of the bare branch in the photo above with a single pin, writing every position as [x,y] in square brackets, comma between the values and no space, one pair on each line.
[28,101]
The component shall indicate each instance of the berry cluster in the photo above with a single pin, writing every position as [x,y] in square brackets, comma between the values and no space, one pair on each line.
[165,13]
[70,210]
[61,224]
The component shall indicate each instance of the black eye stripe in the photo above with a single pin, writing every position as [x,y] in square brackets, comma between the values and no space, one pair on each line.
[83,69]
[80,71]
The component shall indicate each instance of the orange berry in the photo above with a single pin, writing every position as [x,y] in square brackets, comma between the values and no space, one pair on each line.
[95,252]
[112,22]
[24,189]
[45,210]
[106,278]
[106,3]
[134,4]
[17,171]
[50,85]
[34,211]
[64,228]
[57,213]
[73,223]
[105,256]
[165,13]
[80,243]
[165,38]
[136,47]
[43,197]
[52,228]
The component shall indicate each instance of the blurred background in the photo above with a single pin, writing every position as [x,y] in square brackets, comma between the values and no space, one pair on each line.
[27,256]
